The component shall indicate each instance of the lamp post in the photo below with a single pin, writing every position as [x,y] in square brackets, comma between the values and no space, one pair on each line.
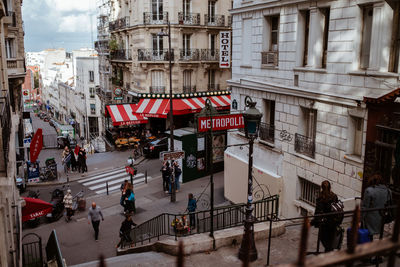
[171,117]
[252,118]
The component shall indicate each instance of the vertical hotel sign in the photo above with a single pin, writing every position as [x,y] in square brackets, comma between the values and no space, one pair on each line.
[225,50]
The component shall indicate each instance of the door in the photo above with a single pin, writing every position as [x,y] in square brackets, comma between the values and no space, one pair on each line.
[187,81]
[158,46]
[157,81]
[157,10]
[186,45]
[32,250]
[211,11]
[187,9]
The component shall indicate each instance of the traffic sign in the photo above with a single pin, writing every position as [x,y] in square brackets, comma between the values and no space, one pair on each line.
[27,142]
[172,155]
[130,170]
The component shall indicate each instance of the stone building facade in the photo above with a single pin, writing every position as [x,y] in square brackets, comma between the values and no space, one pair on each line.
[310,65]
[12,74]
[139,54]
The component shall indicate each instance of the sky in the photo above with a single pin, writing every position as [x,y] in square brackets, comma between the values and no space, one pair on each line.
[59,24]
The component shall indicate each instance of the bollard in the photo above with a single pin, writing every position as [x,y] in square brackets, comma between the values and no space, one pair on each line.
[145,176]
[107,187]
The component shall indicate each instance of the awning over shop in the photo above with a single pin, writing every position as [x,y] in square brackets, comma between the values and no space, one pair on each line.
[160,108]
[35,208]
[123,115]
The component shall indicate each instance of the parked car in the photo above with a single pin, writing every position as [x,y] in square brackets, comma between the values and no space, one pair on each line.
[66,140]
[153,148]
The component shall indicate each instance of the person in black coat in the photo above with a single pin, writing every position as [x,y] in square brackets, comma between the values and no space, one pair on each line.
[82,160]
[166,173]
[74,164]
[327,226]
[125,229]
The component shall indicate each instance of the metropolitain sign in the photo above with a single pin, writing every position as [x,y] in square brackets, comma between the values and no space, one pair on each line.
[219,123]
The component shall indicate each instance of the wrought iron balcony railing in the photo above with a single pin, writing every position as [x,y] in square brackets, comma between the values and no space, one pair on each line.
[187,89]
[209,54]
[121,54]
[269,58]
[119,24]
[154,55]
[213,87]
[267,132]
[155,18]
[189,54]
[101,46]
[304,145]
[216,20]
[189,18]
[157,89]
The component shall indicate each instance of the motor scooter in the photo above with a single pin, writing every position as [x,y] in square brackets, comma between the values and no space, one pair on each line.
[57,197]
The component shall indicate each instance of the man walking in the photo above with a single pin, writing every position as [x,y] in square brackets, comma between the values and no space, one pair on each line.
[191,207]
[68,204]
[94,216]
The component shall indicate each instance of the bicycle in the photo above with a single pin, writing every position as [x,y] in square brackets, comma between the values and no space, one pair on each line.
[136,151]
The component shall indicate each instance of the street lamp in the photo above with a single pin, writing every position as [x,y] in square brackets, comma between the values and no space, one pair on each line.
[252,118]
[171,118]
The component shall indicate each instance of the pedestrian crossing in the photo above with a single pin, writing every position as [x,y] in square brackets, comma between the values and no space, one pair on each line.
[115,178]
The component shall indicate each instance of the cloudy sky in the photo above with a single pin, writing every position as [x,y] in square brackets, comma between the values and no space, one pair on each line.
[59,24]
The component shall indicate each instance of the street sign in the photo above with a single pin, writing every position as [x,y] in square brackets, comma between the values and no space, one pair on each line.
[36,145]
[175,155]
[118,98]
[130,170]
[27,142]
[223,122]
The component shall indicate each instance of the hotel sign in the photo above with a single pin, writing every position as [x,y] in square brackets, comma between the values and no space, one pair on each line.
[218,123]
[225,50]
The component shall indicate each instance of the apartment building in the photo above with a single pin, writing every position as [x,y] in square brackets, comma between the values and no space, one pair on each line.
[12,74]
[325,75]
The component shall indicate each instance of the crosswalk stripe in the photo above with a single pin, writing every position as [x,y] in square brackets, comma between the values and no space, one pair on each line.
[108,178]
[101,175]
[117,187]
[115,181]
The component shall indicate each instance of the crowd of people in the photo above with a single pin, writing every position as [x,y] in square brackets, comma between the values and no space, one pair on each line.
[171,175]
[74,160]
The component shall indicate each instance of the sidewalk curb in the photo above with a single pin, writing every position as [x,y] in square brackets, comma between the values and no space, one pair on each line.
[77,177]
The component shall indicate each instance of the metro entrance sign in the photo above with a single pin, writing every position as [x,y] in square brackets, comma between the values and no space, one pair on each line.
[223,122]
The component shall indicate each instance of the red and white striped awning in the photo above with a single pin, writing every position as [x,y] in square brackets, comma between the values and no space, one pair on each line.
[160,107]
[123,115]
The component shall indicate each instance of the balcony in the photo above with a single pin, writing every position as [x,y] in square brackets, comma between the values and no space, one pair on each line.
[209,55]
[189,18]
[119,24]
[187,89]
[304,145]
[16,67]
[121,54]
[213,87]
[216,20]
[269,58]
[189,54]
[155,18]
[157,89]
[154,55]
[11,19]
[101,46]
[267,132]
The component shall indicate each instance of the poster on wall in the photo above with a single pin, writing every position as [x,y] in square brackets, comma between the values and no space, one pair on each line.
[218,144]
[201,164]
[200,144]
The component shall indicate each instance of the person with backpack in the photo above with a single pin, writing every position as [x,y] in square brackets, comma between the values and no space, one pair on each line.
[191,207]
[330,233]
[177,173]
[124,231]
[130,199]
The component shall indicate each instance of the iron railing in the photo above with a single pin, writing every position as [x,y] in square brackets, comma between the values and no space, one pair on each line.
[225,217]
[118,24]
[304,145]
[209,54]
[157,89]
[121,54]
[267,132]
[154,55]
[189,54]
[5,122]
[101,46]
[187,89]
[216,20]
[155,18]
[213,87]
[189,18]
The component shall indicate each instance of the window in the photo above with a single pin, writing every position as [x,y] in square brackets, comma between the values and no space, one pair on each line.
[92,108]
[274,33]
[158,45]
[355,137]
[325,13]
[157,81]
[267,125]
[367,13]
[305,139]
[246,42]
[306,15]
[186,45]
[187,81]
[394,64]
[91,76]
[157,9]
[308,191]
[211,11]
[91,92]
[310,120]
[271,43]
[10,51]
[187,7]
[211,80]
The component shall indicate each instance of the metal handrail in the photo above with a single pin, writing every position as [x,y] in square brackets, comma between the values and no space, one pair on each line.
[189,18]
[155,18]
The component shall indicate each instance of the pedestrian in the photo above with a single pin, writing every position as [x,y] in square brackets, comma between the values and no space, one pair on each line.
[82,160]
[123,188]
[177,174]
[130,199]
[125,231]
[166,173]
[376,196]
[66,158]
[94,216]
[73,160]
[68,204]
[191,207]
[328,231]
